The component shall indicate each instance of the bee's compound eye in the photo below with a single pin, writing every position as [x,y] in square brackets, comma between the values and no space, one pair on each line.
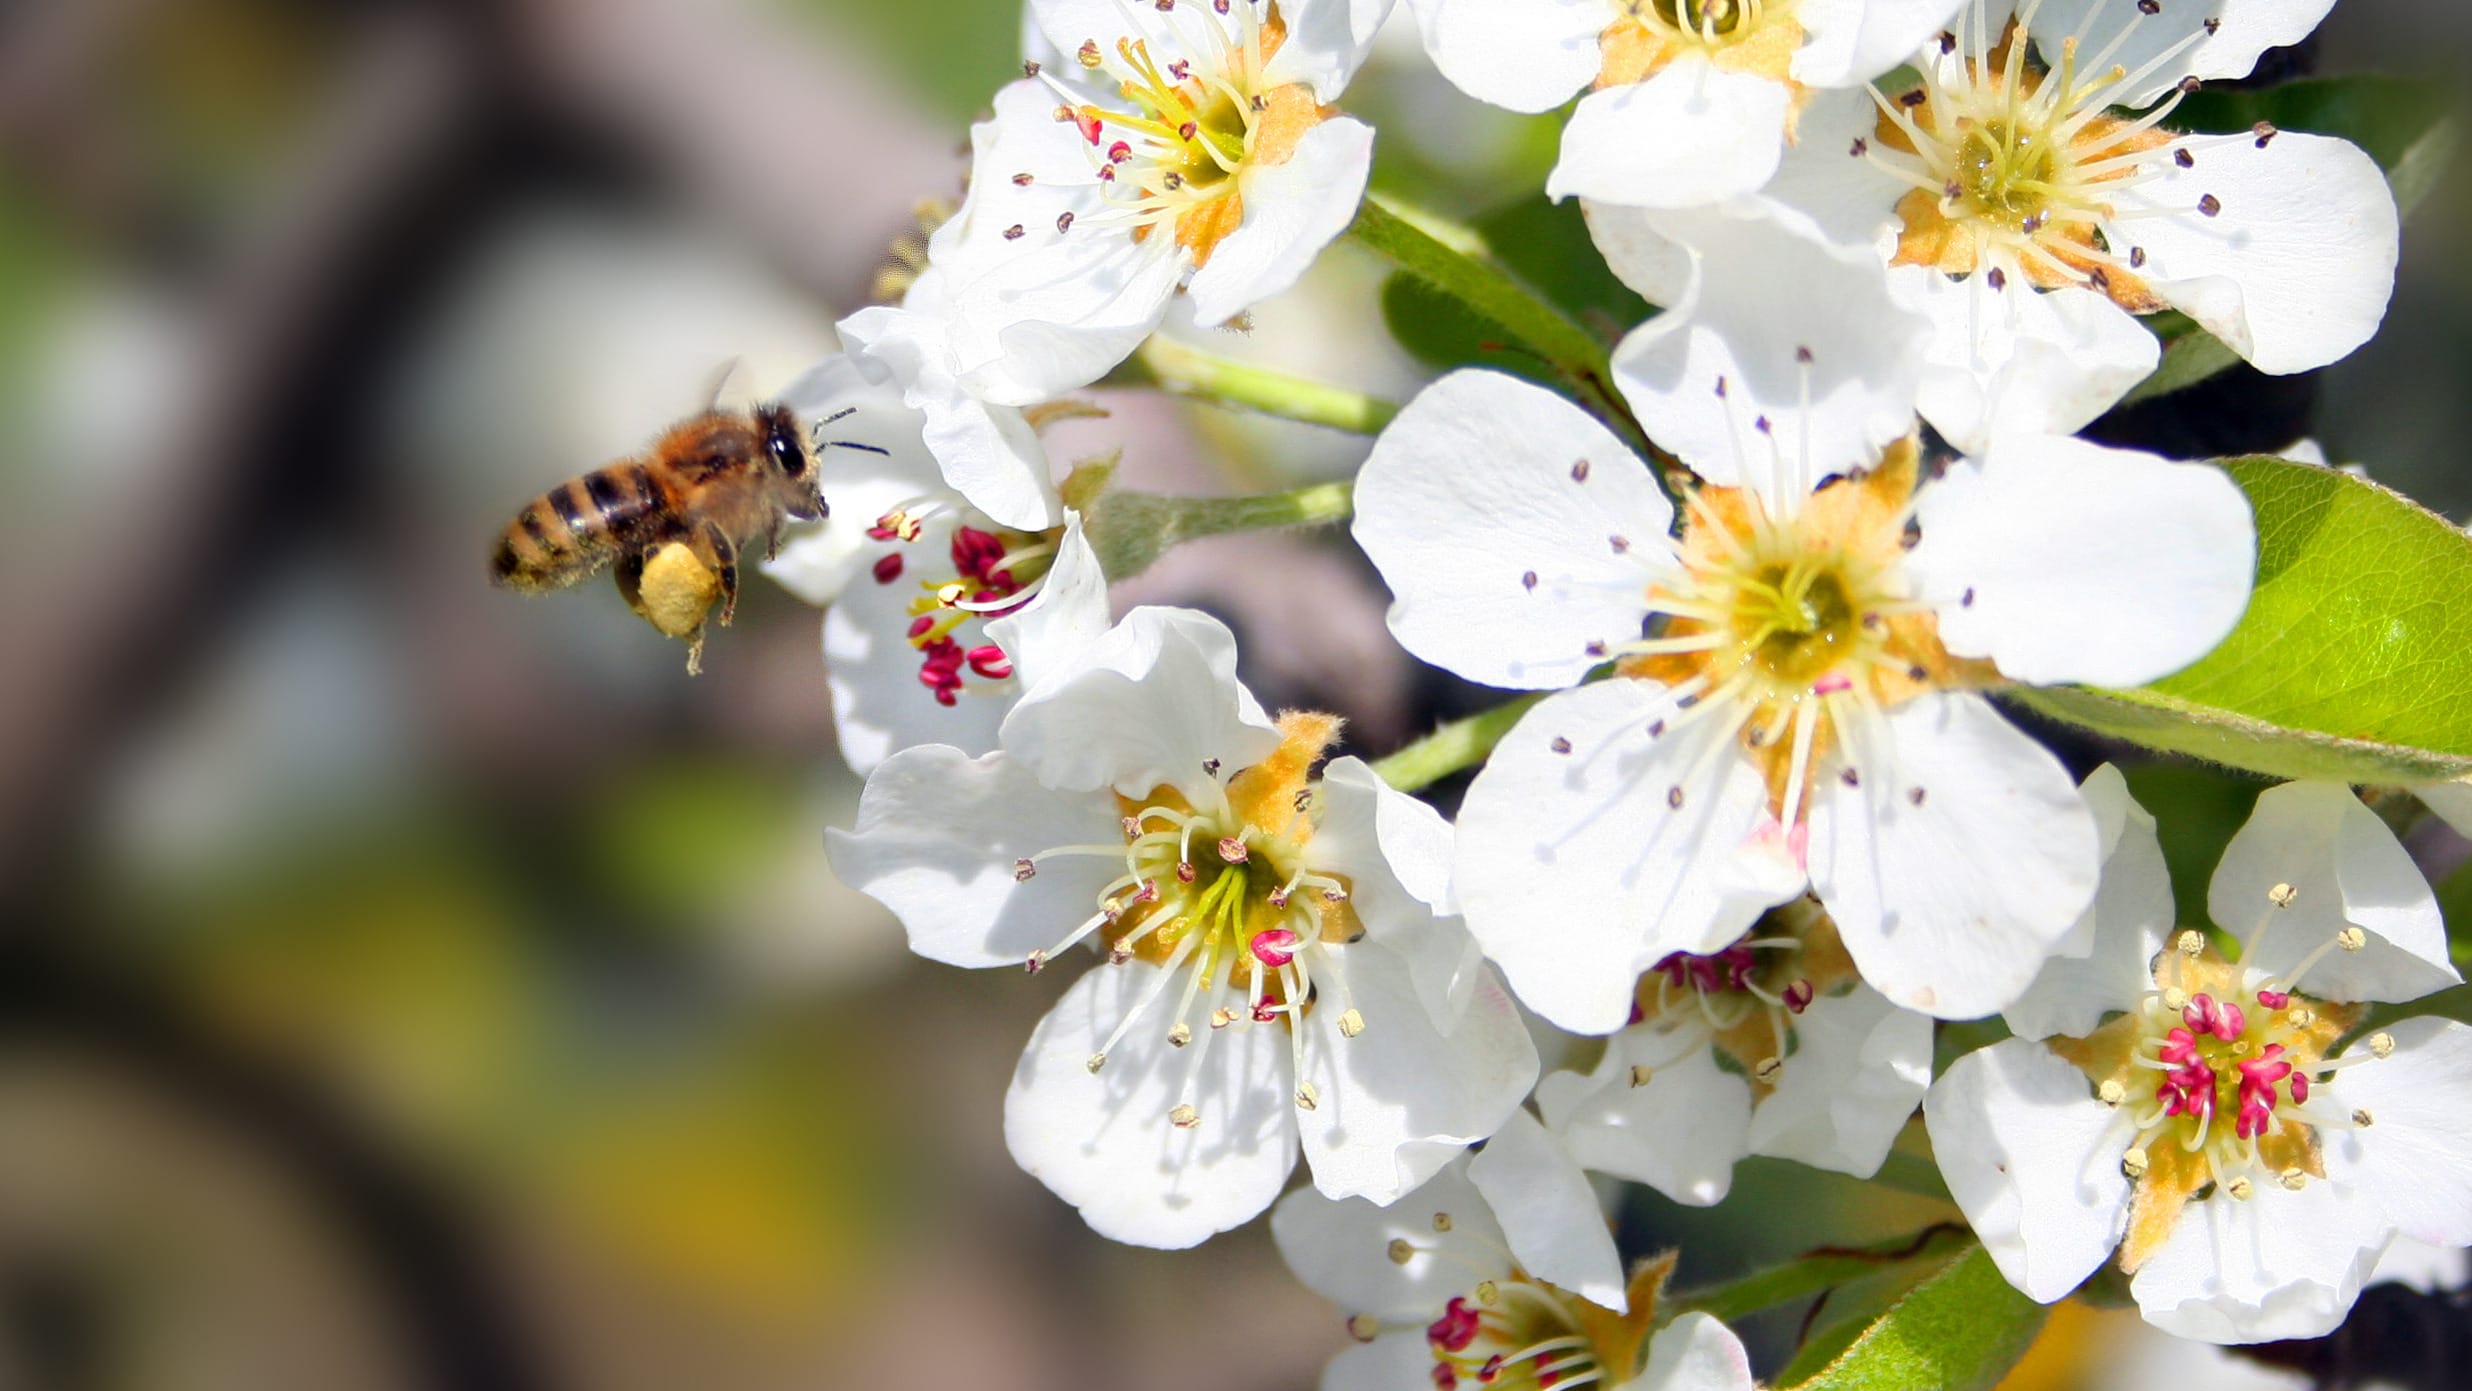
[781,439]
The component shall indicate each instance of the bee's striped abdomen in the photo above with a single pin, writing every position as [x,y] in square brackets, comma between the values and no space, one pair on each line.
[577,527]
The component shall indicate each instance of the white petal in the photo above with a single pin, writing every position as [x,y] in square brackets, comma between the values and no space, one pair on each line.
[1695,1353]
[2124,927]
[1949,904]
[1069,612]
[2066,561]
[1102,1141]
[2281,1265]
[1401,1098]
[1549,1212]
[1680,1132]
[1690,135]
[1292,210]
[1475,488]
[2425,1267]
[2034,1160]
[936,839]
[1150,702]
[987,453]
[2021,360]
[1327,40]
[1392,1362]
[1766,290]
[1517,54]
[2295,268]
[1859,1066]
[2452,801]
[1040,313]
[2415,1159]
[872,671]
[2345,867]
[1395,853]
[1579,870]
[2244,29]
[1826,179]
[1853,41]
[1340,1248]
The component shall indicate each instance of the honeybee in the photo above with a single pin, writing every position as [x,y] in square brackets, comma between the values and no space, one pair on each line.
[674,519]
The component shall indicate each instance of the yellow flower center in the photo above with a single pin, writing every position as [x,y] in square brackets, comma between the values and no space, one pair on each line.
[1749,36]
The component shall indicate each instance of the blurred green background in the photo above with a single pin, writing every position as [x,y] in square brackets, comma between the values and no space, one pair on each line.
[403,984]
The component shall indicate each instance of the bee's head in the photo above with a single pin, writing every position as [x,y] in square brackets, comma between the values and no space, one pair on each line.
[792,462]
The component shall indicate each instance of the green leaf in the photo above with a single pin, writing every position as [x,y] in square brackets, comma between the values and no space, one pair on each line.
[2353,660]
[2402,123]
[1958,1331]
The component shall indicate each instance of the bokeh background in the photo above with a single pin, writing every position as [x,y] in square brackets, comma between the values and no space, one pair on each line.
[406,985]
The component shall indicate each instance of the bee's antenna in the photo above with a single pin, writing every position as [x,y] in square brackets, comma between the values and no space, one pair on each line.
[853,444]
[845,411]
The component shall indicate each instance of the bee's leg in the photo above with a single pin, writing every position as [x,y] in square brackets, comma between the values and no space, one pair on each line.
[714,547]
[629,572]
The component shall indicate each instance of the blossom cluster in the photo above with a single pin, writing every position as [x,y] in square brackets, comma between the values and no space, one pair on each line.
[1761,826]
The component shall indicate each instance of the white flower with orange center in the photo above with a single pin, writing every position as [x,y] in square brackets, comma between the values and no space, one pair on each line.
[1179,143]
[2225,1123]
[1499,1275]
[1793,685]
[1689,101]
[1770,1046]
[2031,218]
[1272,965]
[936,614]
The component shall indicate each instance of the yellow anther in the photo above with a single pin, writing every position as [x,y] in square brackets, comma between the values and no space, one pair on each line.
[2281,895]
[1400,1251]
[2133,1163]
[1351,1024]
[2382,1044]
[1184,1117]
[2240,1188]
[2112,1092]
[1487,1293]
[1307,1096]
[1181,1034]
[2191,943]
[2294,1178]
[1364,1328]
[1640,1075]
[2351,939]
[1441,1221]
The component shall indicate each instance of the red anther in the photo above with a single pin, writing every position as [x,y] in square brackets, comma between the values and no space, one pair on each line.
[1546,1381]
[881,532]
[1184,871]
[1444,1377]
[2180,1046]
[887,568]
[920,625]
[2200,1014]
[1232,849]
[1119,152]
[1798,996]
[1834,683]
[989,661]
[1265,1009]
[1181,70]
[1491,1369]
[2300,1088]
[1188,130]
[1087,119]
[1456,1328]
[2275,999]
[1276,946]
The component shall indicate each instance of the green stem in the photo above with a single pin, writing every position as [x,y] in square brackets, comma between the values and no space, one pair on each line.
[1460,744]
[1453,260]
[1129,530]
[1181,369]
[1819,1270]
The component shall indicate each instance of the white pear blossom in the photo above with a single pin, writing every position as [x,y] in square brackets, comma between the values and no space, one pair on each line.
[1187,143]
[1797,323]
[936,610]
[2218,1121]
[1276,967]
[1689,101]
[1498,1274]
[1770,1046]
[1794,695]
[2008,197]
